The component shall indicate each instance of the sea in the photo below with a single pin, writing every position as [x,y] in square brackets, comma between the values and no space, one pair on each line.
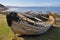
[35,9]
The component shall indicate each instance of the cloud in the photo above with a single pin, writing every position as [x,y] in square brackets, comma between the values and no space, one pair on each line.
[25,5]
[39,4]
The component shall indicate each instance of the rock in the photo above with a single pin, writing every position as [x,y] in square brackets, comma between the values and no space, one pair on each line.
[2,7]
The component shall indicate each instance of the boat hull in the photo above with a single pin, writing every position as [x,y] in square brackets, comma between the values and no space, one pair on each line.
[23,28]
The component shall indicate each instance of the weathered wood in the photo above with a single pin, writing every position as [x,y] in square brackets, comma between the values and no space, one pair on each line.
[24,28]
[27,19]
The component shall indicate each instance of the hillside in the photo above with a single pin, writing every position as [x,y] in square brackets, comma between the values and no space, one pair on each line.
[2,7]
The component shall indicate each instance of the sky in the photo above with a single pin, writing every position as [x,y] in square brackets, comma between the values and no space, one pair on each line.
[25,3]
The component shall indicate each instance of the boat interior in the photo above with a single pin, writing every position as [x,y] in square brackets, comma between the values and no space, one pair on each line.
[14,17]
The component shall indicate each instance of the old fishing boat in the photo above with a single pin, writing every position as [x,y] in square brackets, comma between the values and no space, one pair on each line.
[29,24]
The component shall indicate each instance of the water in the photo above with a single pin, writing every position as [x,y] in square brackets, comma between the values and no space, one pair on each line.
[35,9]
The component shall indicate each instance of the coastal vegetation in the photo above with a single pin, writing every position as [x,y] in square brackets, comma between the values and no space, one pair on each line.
[5,31]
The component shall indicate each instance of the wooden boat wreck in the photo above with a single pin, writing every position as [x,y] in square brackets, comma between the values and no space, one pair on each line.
[29,24]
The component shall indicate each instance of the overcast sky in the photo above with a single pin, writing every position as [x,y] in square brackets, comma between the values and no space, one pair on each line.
[24,3]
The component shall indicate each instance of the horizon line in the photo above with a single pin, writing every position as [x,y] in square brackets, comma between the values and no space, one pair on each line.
[33,6]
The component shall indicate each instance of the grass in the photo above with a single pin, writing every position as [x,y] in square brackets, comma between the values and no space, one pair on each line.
[5,31]
[7,34]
